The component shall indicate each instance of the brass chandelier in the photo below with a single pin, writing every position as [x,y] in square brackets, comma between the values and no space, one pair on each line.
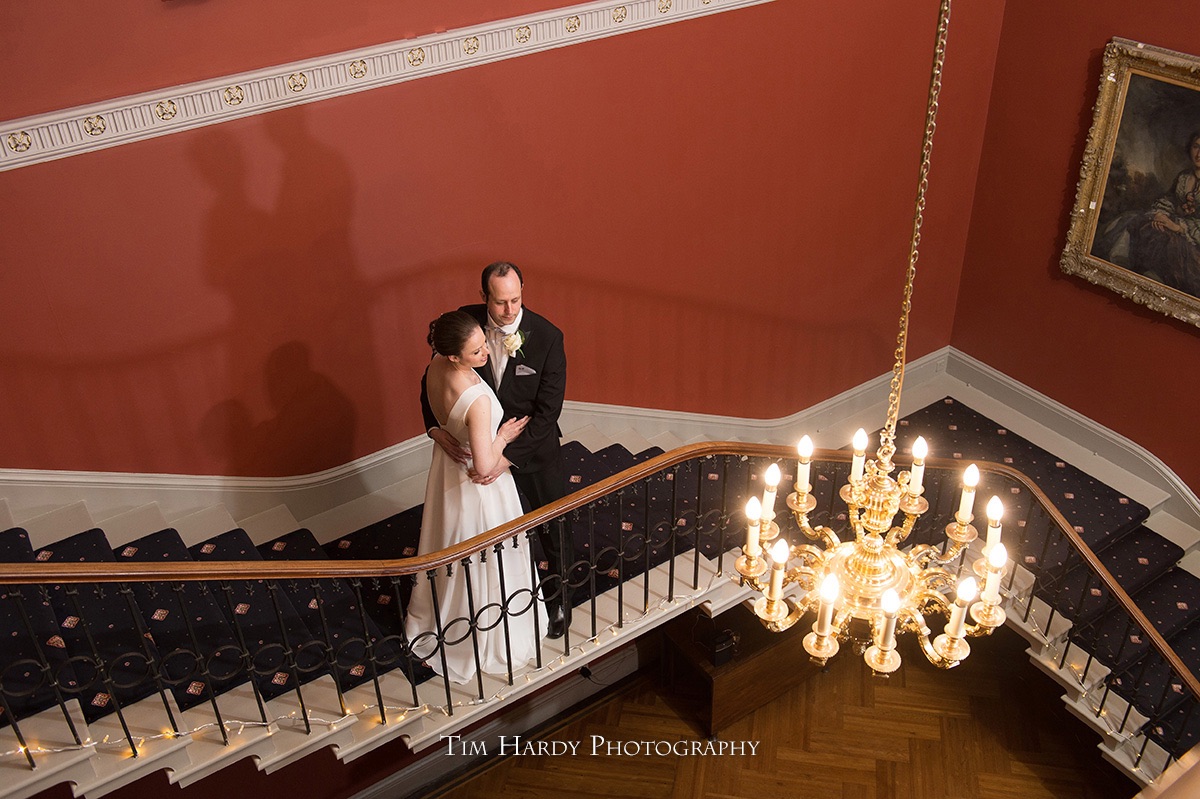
[867,588]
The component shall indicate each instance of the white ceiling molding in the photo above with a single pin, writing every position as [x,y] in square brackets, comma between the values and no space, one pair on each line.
[82,129]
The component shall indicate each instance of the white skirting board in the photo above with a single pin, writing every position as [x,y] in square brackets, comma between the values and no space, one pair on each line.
[1098,451]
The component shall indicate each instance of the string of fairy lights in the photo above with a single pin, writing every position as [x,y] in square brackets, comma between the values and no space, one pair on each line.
[236,727]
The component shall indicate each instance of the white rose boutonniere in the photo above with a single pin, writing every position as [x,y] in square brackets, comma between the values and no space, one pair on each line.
[513,343]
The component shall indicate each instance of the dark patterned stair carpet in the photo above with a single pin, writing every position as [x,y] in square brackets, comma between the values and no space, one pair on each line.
[629,532]
[332,611]
[1149,684]
[265,619]
[107,613]
[185,621]
[30,636]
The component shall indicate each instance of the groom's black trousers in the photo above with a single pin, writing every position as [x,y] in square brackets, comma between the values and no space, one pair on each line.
[541,488]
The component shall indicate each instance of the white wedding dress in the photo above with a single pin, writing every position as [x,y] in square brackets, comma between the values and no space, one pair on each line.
[457,509]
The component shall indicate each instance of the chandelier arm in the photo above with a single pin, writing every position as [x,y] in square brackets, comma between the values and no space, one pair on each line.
[977,630]
[758,585]
[933,657]
[932,600]
[803,576]
[817,533]
[915,622]
[956,548]
[808,554]
[856,522]
[925,554]
[842,620]
[900,533]
[796,611]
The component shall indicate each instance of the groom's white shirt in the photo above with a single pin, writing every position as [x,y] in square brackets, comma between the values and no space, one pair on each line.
[498,360]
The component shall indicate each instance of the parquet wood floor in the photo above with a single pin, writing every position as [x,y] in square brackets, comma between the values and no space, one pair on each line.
[993,728]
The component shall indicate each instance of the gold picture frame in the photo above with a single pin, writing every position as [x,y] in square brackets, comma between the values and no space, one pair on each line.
[1135,224]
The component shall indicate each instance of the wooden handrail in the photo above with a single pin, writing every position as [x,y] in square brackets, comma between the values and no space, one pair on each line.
[41,573]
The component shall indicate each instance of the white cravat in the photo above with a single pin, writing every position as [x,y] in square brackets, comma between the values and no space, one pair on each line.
[495,338]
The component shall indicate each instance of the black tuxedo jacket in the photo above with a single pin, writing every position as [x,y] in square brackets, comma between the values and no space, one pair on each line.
[534,384]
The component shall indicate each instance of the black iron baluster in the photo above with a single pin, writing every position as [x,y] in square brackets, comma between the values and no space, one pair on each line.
[1108,684]
[12,720]
[405,644]
[1024,539]
[1137,761]
[247,660]
[330,652]
[289,653]
[369,646]
[722,519]
[696,529]
[671,537]
[441,634]
[102,667]
[1022,525]
[47,673]
[565,544]
[473,624]
[1124,637]
[621,542]
[499,550]
[535,582]
[1051,531]
[593,558]
[203,661]
[1183,725]
[143,639]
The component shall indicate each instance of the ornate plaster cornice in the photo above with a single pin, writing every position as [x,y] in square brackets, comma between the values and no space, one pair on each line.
[82,129]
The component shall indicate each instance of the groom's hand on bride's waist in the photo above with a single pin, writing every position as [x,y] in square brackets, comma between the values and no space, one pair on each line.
[489,478]
[450,445]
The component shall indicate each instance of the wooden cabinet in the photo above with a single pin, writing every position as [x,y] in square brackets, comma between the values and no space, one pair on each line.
[764,665]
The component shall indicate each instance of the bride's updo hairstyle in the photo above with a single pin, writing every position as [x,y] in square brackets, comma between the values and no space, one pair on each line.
[448,333]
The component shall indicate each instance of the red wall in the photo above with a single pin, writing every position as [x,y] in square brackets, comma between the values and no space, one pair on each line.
[1128,368]
[716,212]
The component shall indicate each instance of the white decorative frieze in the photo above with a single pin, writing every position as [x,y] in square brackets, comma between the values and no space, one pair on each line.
[83,129]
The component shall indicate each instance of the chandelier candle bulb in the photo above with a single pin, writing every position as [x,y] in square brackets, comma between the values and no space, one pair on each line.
[779,554]
[891,604]
[768,501]
[754,515]
[860,451]
[829,595]
[970,480]
[805,450]
[995,510]
[966,593]
[917,473]
[996,560]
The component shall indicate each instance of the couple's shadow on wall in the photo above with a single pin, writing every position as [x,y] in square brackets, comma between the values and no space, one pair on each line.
[299,334]
[312,426]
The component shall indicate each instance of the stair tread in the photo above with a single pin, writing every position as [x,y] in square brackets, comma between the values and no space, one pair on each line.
[57,524]
[133,524]
[204,524]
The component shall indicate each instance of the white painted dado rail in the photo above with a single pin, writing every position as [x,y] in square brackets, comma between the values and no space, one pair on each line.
[82,129]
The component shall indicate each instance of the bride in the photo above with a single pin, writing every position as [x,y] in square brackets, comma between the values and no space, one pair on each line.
[457,509]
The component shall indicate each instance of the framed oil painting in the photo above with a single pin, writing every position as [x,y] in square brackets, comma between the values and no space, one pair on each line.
[1135,224]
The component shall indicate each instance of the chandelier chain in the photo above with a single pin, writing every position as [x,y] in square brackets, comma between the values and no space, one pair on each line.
[887,439]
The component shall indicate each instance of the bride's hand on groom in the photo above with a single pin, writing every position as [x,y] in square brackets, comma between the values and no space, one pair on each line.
[512,428]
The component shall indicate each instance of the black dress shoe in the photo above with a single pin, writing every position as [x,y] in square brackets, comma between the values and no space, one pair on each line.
[558,622]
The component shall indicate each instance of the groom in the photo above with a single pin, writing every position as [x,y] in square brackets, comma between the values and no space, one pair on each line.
[527,368]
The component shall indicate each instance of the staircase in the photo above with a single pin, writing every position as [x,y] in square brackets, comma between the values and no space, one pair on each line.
[1138,701]
[176,652]
[326,656]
